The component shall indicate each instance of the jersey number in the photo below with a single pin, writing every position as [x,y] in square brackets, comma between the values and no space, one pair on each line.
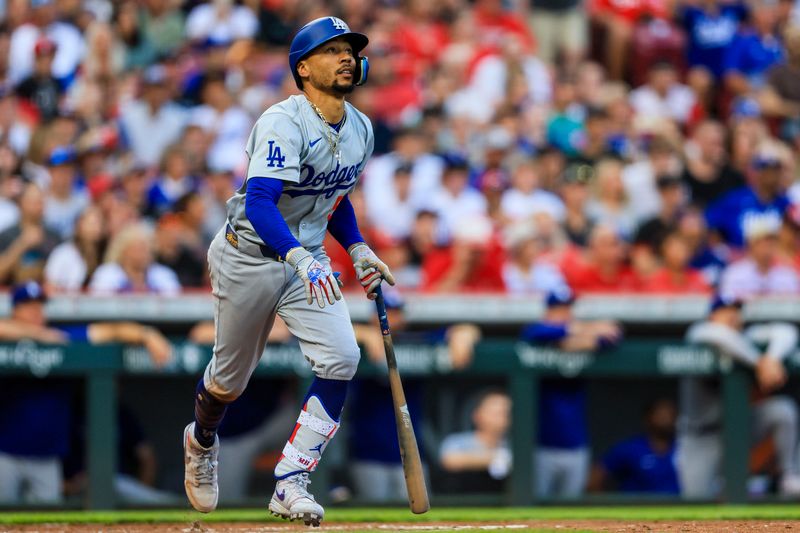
[275,157]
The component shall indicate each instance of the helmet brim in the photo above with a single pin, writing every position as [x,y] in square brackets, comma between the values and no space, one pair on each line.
[358,41]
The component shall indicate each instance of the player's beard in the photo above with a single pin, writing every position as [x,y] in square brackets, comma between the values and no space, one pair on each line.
[342,89]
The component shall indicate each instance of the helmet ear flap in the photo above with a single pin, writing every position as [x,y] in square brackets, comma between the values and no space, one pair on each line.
[362,70]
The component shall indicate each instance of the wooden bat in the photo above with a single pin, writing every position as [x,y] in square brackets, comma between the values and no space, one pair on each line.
[409,453]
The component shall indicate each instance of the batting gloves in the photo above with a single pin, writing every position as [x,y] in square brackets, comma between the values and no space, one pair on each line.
[369,269]
[319,281]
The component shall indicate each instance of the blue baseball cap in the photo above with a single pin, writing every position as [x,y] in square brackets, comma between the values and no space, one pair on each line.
[61,155]
[27,292]
[721,301]
[560,296]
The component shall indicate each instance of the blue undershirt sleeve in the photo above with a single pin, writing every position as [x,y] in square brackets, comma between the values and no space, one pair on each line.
[343,225]
[261,208]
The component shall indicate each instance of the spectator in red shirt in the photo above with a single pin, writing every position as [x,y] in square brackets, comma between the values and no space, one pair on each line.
[675,275]
[473,262]
[601,266]
[495,22]
[618,18]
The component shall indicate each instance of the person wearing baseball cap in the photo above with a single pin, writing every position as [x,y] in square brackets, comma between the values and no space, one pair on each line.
[41,90]
[760,272]
[36,429]
[774,414]
[562,459]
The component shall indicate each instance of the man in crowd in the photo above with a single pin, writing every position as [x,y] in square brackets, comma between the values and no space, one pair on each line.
[700,445]
[35,420]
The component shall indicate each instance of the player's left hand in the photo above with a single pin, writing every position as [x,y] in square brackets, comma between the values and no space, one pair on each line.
[369,269]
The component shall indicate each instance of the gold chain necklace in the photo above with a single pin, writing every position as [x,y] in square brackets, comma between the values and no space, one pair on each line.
[333,139]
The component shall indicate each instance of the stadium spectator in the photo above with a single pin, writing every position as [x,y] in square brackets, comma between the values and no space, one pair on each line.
[699,452]
[409,148]
[44,21]
[641,177]
[574,190]
[760,272]
[672,201]
[152,122]
[609,203]
[663,96]
[394,213]
[755,48]
[480,459]
[221,19]
[781,96]
[162,24]
[456,200]
[601,266]
[71,264]
[525,271]
[36,419]
[707,172]
[41,89]
[562,459]
[675,274]
[525,197]
[128,266]
[173,182]
[180,243]
[377,471]
[644,463]
[25,246]
[224,121]
[473,262]
[710,28]
[765,196]
[65,198]
[561,29]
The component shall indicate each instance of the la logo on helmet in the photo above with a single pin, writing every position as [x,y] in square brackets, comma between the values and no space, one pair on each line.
[339,24]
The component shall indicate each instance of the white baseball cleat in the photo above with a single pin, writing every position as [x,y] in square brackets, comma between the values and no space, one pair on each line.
[292,501]
[200,472]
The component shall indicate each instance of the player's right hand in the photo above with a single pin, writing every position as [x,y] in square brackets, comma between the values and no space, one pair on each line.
[320,283]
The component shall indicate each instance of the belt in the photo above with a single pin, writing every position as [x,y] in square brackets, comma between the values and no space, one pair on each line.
[250,248]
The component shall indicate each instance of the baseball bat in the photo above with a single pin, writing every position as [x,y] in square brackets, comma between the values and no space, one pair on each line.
[409,452]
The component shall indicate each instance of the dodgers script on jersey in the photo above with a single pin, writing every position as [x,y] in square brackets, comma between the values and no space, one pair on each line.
[289,142]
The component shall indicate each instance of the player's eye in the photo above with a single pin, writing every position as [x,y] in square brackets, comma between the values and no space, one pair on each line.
[331,50]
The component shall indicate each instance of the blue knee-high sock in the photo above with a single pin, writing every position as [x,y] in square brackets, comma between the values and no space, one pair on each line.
[331,393]
[208,414]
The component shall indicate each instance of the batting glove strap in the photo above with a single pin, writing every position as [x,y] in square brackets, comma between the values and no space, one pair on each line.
[323,427]
[299,459]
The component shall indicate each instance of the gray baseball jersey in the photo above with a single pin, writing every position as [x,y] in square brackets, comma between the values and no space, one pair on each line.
[288,142]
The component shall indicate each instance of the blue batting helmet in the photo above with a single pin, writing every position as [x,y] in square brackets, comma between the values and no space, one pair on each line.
[320,31]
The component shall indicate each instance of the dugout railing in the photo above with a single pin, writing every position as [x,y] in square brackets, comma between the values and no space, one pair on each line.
[520,365]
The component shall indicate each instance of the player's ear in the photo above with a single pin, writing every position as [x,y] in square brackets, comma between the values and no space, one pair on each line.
[303,69]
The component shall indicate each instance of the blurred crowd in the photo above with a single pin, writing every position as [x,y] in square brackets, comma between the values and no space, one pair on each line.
[605,145]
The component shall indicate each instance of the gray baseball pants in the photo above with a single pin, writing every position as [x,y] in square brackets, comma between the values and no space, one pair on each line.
[249,290]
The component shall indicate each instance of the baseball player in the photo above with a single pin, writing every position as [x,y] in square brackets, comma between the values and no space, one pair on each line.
[306,154]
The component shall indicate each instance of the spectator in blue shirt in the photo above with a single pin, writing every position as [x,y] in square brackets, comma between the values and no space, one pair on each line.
[765,196]
[562,460]
[754,50]
[36,418]
[644,463]
[710,27]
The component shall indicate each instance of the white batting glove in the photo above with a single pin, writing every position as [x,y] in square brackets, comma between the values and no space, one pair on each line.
[319,281]
[369,269]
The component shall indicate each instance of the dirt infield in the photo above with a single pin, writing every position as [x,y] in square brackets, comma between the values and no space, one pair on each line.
[605,526]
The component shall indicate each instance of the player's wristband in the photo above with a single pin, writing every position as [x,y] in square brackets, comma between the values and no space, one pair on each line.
[296,254]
